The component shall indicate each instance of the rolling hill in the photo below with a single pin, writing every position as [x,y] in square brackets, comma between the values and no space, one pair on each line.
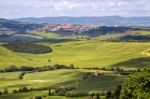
[105,20]
[100,59]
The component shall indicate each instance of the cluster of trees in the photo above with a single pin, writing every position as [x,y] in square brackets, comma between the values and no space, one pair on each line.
[119,70]
[23,89]
[106,69]
[83,38]
[4,92]
[63,92]
[60,91]
[136,86]
[15,68]
[28,48]
[43,68]
[106,30]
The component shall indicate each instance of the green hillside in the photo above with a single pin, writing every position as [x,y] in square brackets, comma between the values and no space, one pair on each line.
[60,78]
[99,54]
[132,36]
[88,53]
[104,51]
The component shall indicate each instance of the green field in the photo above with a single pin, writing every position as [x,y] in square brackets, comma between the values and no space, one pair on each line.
[88,53]
[29,95]
[47,35]
[33,94]
[57,78]
[97,52]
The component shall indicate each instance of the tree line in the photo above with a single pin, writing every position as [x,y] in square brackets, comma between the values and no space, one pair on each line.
[118,70]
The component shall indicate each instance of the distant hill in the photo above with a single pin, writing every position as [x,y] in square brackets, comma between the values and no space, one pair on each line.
[16,26]
[105,20]
[16,31]
[10,30]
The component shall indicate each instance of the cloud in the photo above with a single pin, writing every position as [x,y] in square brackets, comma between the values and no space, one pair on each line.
[42,8]
[64,5]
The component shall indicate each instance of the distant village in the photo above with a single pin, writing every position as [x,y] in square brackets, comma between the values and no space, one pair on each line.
[67,27]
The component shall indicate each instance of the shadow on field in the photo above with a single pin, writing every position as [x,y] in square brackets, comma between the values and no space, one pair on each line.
[135,62]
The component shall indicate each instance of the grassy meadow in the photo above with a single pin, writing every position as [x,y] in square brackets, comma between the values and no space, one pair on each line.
[56,79]
[96,52]
[88,53]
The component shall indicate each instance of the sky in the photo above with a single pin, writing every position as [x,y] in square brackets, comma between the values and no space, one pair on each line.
[76,8]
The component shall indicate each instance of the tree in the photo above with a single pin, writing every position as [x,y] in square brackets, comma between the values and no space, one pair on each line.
[49,92]
[97,96]
[108,95]
[38,97]
[93,94]
[117,92]
[15,91]
[21,75]
[24,89]
[11,69]
[136,86]
[1,93]
[5,91]
[49,60]
[72,66]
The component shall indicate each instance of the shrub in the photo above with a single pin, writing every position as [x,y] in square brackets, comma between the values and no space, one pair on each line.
[139,70]
[103,68]
[117,92]
[5,91]
[49,92]
[57,66]
[61,93]
[72,66]
[109,95]
[24,89]
[1,93]
[22,68]
[81,94]
[38,97]
[43,68]
[26,68]
[15,91]
[124,73]
[69,88]
[21,75]
[92,94]
[97,96]
[11,69]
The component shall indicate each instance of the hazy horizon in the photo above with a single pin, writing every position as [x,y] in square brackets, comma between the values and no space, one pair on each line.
[73,8]
[76,17]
